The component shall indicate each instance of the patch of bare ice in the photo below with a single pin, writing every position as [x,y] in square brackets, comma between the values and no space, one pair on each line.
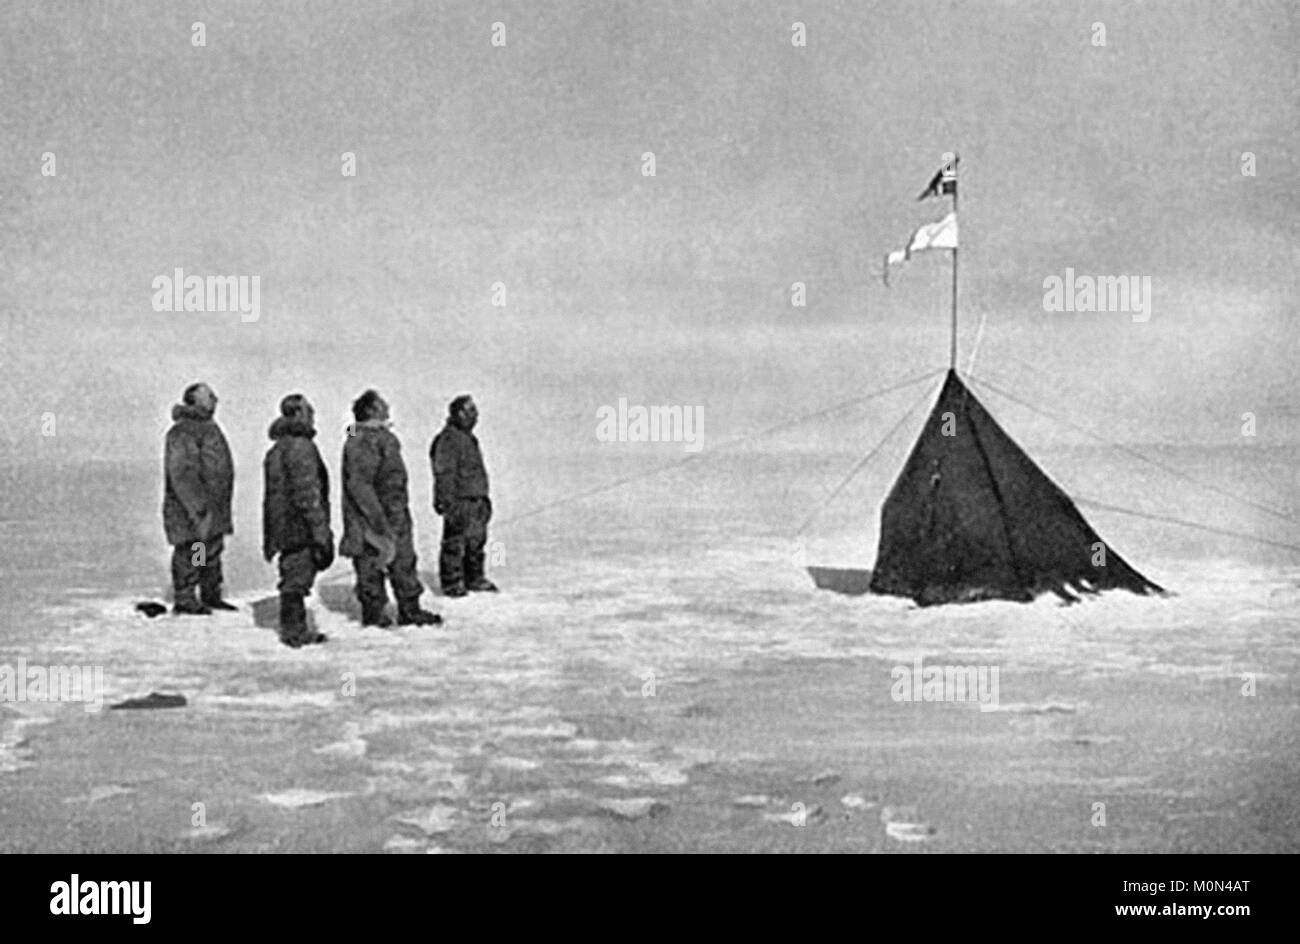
[105,792]
[403,845]
[910,832]
[15,750]
[514,763]
[210,832]
[556,731]
[1043,708]
[350,749]
[298,798]
[432,821]
[286,698]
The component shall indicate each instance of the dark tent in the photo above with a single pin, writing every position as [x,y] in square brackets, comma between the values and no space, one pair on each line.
[971,517]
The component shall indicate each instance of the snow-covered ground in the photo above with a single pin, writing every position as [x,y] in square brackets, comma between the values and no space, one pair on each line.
[632,657]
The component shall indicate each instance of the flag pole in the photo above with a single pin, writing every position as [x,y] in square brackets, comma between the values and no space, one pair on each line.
[952,347]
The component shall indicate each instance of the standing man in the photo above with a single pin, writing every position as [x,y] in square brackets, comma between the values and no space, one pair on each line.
[377,529]
[200,479]
[296,515]
[460,495]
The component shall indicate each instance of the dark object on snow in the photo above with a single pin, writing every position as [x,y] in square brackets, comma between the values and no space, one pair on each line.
[294,631]
[151,609]
[187,604]
[415,616]
[309,637]
[372,615]
[153,700]
[293,619]
[972,517]
[852,583]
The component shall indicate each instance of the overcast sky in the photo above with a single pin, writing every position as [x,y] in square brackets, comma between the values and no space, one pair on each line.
[522,165]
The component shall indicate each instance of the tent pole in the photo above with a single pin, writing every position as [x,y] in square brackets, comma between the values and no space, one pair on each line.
[952,347]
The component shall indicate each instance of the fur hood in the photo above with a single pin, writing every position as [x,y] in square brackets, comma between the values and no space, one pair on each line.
[290,426]
[186,411]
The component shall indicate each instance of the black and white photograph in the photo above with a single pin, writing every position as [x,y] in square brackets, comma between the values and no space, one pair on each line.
[589,426]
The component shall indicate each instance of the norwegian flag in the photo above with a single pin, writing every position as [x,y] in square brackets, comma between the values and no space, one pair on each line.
[944,182]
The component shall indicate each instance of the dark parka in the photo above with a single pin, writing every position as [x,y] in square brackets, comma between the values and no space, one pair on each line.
[375,496]
[200,477]
[458,470]
[296,503]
